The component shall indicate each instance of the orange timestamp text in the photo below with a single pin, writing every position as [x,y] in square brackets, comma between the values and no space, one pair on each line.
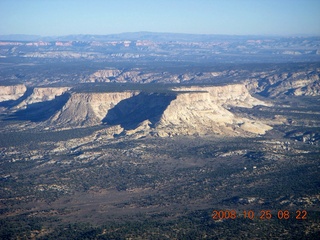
[262,214]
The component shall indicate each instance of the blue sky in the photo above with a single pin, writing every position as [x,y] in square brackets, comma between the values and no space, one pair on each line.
[235,17]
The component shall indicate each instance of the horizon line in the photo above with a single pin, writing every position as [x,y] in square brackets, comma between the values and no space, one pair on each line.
[151,32]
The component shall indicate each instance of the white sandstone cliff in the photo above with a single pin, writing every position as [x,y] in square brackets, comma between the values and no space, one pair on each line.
[12,92]
[87,109]
[228,95]
[203,112]
[43,94]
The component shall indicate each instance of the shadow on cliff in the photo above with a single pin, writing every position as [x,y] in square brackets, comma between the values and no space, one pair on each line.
[12,103]
[129,113]
[40,111]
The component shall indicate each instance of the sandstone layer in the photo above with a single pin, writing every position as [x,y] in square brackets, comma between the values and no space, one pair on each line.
[229,95]
[12,92]
[43,94]
[87,109]
[299,83]
[203,112]
[194,110]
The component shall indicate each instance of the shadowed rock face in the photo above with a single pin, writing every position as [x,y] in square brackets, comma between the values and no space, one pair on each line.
[41,111]
[87,109]
[42,95]
[13,103]
[194,110]
[129,113]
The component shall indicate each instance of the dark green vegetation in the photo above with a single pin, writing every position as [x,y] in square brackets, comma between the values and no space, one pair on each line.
[123,87]
[163,188]
[147,88]
[9,139]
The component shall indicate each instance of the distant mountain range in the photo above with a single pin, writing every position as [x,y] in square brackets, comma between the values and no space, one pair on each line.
[133,36]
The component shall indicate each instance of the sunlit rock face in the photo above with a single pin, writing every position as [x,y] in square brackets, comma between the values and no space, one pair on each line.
[195,110]
[43,94]
[12,92]
[299,83]
[87,109]
[203,112]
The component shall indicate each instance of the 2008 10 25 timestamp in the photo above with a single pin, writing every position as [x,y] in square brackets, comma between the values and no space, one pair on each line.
[262,214]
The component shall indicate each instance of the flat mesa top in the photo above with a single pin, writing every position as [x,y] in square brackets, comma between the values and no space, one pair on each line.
[148,88]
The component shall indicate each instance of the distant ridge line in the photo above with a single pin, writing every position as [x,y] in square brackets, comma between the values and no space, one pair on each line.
[134,36]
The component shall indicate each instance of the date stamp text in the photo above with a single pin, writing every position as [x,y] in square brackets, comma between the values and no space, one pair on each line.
[262,214]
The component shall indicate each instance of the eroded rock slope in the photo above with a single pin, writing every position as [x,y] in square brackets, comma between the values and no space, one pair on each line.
[43,94]
[12,92]
[195,110]
[204,111]
[87,109]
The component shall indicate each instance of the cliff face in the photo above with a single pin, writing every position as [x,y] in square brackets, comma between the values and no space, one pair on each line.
[116,75]
[12,92]
[311,89]
[104,75]
[183,111]
[42,95]
[229,95]
[308,86]
[300,83]
[193,113]
[131,112]
[87,109]
[203,112]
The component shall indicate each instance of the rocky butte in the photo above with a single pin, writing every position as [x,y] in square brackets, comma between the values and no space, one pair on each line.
[194,110]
